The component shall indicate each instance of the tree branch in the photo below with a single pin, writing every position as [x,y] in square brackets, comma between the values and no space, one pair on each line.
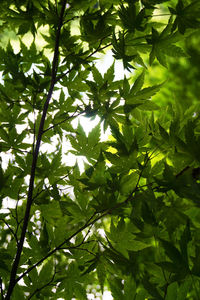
[63,121]
[15,264]
[99,48]
[11,230]
[90,222]
[42,287]
[59,247]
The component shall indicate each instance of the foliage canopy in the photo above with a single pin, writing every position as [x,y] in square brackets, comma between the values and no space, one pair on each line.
[130,221]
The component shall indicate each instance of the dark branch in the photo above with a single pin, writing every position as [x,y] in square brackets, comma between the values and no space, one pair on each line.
[91,221]
[15,265]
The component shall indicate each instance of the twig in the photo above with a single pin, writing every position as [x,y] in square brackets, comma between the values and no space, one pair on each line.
[16,217]
[87,224]
[91,221]
[11,230]
[63,121]
[15,264]
[83,249]
[42,287]
[59,247]
[87,234]
[16,149]
[73,18]
[99,48]
[34,133]
[44,190]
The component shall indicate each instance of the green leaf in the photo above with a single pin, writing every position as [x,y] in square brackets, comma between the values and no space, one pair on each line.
[94,136]
[148,106]
[129,288]
[97,75]
[143,94]
[168,266]
[80,292]
[196,269]
[185,239]
[138,84]
[109,75]
[101,273]
[55,192]
[116,288]
[183,289]
[46,272]
[174,254]
[164,134]
[172,291]
[151,289]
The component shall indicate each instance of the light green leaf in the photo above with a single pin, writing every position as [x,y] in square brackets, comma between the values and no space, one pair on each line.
[144,94]
[97,75]
[94,136]
[136,245]
[148,106]
[138,84]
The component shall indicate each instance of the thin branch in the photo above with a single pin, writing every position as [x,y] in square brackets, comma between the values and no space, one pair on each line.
[86,234]
[38,193]
[42,287]
[16,217]
[15,264]
[59,247]
[47,188]
[99,48]
[91,221]
[63,121]
[73,18]
[34,127]
[16,149]
[11,230]
[83,249]
[16,214]
[87,224]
